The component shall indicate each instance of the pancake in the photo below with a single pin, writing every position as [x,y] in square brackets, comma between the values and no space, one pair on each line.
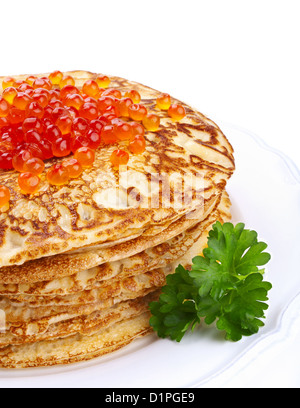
[77,347]
[79,263]
[83,213]
[100,276]
[70,348]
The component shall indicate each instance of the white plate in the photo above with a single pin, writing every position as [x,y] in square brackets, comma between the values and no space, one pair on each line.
[265,191]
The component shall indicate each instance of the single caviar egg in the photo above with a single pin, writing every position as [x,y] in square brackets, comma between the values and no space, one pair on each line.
[9,94]
[42,83]
[113,92]
[16,116]
[138,145]
[89,111]
[61,147]
[8,82]
[4,196]
[74,101]
[109,134]
[29,183]
[30,79]
[164,102]
[137,112]
[103,81]
[33,124]
[91,88]
[35,166]
[133,95]
[68,90]
[35,110]
[123,131]
[81,126]
[6,159]
[73,167]
[58,175]
[151,122]
[4,108]
[22,100]
[56,77]
[137,129]
[119,158]
[123,107]
[64,123]
[176,112]
[67,80]
[20,159]
[85,156]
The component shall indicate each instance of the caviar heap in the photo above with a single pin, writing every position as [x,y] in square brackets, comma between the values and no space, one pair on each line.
[42,118]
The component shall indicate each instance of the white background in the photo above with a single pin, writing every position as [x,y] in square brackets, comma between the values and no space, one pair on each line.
[235,60]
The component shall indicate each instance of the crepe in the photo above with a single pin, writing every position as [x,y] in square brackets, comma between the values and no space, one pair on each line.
[80,264]
[83,212]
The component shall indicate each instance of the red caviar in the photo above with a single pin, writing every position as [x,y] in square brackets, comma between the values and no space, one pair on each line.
[134,96]
[119,158]
[64,123]
[4,108]
[151,122]
[103,81]
[109,135]
[9,94]
[67,80]
[123,131]
[89,111]
[124,105]
[164,102]
[74,100]
[85,156]
[4,196]
[35,166]
[91,88]
[138,145]
[176,112]
[20,159]
[58,175]
[46,117]
[137,112]
[8,82]
[34,109]
[73,167]
[29,183]
[137,129]
[61,147]
[56,77]
[22,100]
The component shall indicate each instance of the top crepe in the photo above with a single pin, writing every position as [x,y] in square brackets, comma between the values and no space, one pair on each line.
[86,213]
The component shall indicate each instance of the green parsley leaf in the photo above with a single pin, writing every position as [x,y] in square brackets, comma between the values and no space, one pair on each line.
[224,286]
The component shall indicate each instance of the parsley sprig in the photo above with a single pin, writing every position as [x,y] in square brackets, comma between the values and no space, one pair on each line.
[224,286]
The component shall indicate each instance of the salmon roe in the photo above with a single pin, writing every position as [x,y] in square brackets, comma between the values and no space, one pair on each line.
[103,81]
[4,196]
[119,158]
[58,175]
[134,96]
[43,118]
[164,102]
[85,156]
[137,112]
[138,145]
[29,183]
[73,167]
[176,112]
[151,122]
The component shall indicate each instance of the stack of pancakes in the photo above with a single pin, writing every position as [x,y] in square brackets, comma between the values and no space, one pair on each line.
[79,264]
